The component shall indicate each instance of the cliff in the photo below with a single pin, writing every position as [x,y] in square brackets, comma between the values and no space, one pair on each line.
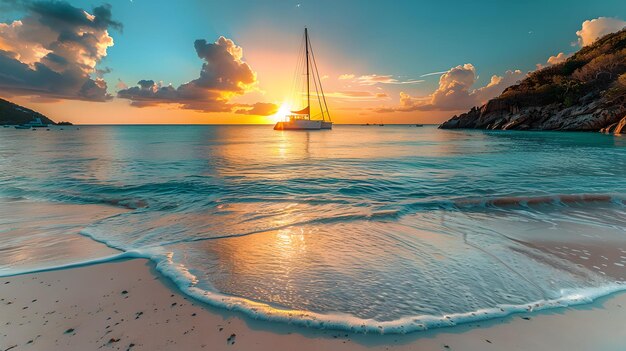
[11,113]
[587,92]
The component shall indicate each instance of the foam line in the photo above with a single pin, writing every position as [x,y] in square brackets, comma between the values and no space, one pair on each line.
[120,256]
[185,281]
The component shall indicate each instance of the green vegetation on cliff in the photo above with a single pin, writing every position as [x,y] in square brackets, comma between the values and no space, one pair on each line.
[586,92]
[597,68]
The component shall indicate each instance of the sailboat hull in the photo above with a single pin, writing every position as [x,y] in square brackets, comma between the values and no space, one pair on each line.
[303,124]
[327,125]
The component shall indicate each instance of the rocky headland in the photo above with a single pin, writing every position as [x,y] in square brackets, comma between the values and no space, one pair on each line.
[587,92]
[11,113]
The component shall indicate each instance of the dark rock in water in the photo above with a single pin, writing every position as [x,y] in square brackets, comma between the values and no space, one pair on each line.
[616,128]
[131,204]
[587,92]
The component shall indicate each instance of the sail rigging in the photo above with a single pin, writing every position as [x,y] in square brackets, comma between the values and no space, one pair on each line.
[309,117]
[312,74]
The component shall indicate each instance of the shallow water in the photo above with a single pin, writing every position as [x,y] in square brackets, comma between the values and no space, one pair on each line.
[385,229]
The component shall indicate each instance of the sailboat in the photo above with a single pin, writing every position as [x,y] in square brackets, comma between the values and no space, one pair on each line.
[303,119]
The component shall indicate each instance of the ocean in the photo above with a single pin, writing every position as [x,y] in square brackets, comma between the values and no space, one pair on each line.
[370,229]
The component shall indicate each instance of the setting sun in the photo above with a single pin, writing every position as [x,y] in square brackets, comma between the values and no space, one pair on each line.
[283,110]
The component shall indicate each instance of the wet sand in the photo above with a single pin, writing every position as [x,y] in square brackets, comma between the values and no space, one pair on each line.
[127,305]
[36,235]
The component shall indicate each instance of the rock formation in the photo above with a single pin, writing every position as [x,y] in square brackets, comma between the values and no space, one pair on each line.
[587,92]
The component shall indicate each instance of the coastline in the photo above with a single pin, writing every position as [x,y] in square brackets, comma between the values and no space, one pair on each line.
[128,305]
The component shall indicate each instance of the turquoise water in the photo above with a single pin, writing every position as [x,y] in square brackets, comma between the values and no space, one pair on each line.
[377,229]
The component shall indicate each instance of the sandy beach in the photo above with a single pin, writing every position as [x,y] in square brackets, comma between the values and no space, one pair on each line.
[127,305]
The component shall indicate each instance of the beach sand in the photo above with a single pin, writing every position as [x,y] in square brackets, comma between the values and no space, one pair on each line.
[127,305]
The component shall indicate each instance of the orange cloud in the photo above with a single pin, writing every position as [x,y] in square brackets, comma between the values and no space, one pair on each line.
[224,75]
[258,109]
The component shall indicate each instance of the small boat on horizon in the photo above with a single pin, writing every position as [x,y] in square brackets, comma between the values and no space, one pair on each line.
[35,123]
[302,119]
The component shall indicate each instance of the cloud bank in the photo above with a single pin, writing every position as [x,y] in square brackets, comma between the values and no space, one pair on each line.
[223,76]
[455,91]
[53,51]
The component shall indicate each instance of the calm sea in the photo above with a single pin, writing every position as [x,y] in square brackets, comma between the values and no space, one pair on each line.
[384,229]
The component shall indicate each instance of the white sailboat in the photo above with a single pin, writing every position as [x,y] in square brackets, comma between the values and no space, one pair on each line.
[302,119]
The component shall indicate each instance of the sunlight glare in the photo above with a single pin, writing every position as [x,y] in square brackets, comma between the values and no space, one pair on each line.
[283,111]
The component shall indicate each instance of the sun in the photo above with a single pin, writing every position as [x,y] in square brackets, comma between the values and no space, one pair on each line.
[283,110]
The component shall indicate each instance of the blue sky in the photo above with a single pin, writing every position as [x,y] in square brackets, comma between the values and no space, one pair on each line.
[403,39]
[395,37]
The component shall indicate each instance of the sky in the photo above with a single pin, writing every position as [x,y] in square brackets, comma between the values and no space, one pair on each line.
[212,62]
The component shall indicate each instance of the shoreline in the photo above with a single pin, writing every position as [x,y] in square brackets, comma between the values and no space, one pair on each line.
[128,305]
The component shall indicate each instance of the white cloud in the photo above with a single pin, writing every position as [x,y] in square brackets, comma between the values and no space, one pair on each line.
[496,86]
[373,79]
[432,74]
[596,28]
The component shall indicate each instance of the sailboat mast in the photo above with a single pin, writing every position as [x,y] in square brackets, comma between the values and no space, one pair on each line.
[308,93]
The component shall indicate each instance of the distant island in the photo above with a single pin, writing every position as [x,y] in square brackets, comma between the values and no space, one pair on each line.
[13,114]
[587,92]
